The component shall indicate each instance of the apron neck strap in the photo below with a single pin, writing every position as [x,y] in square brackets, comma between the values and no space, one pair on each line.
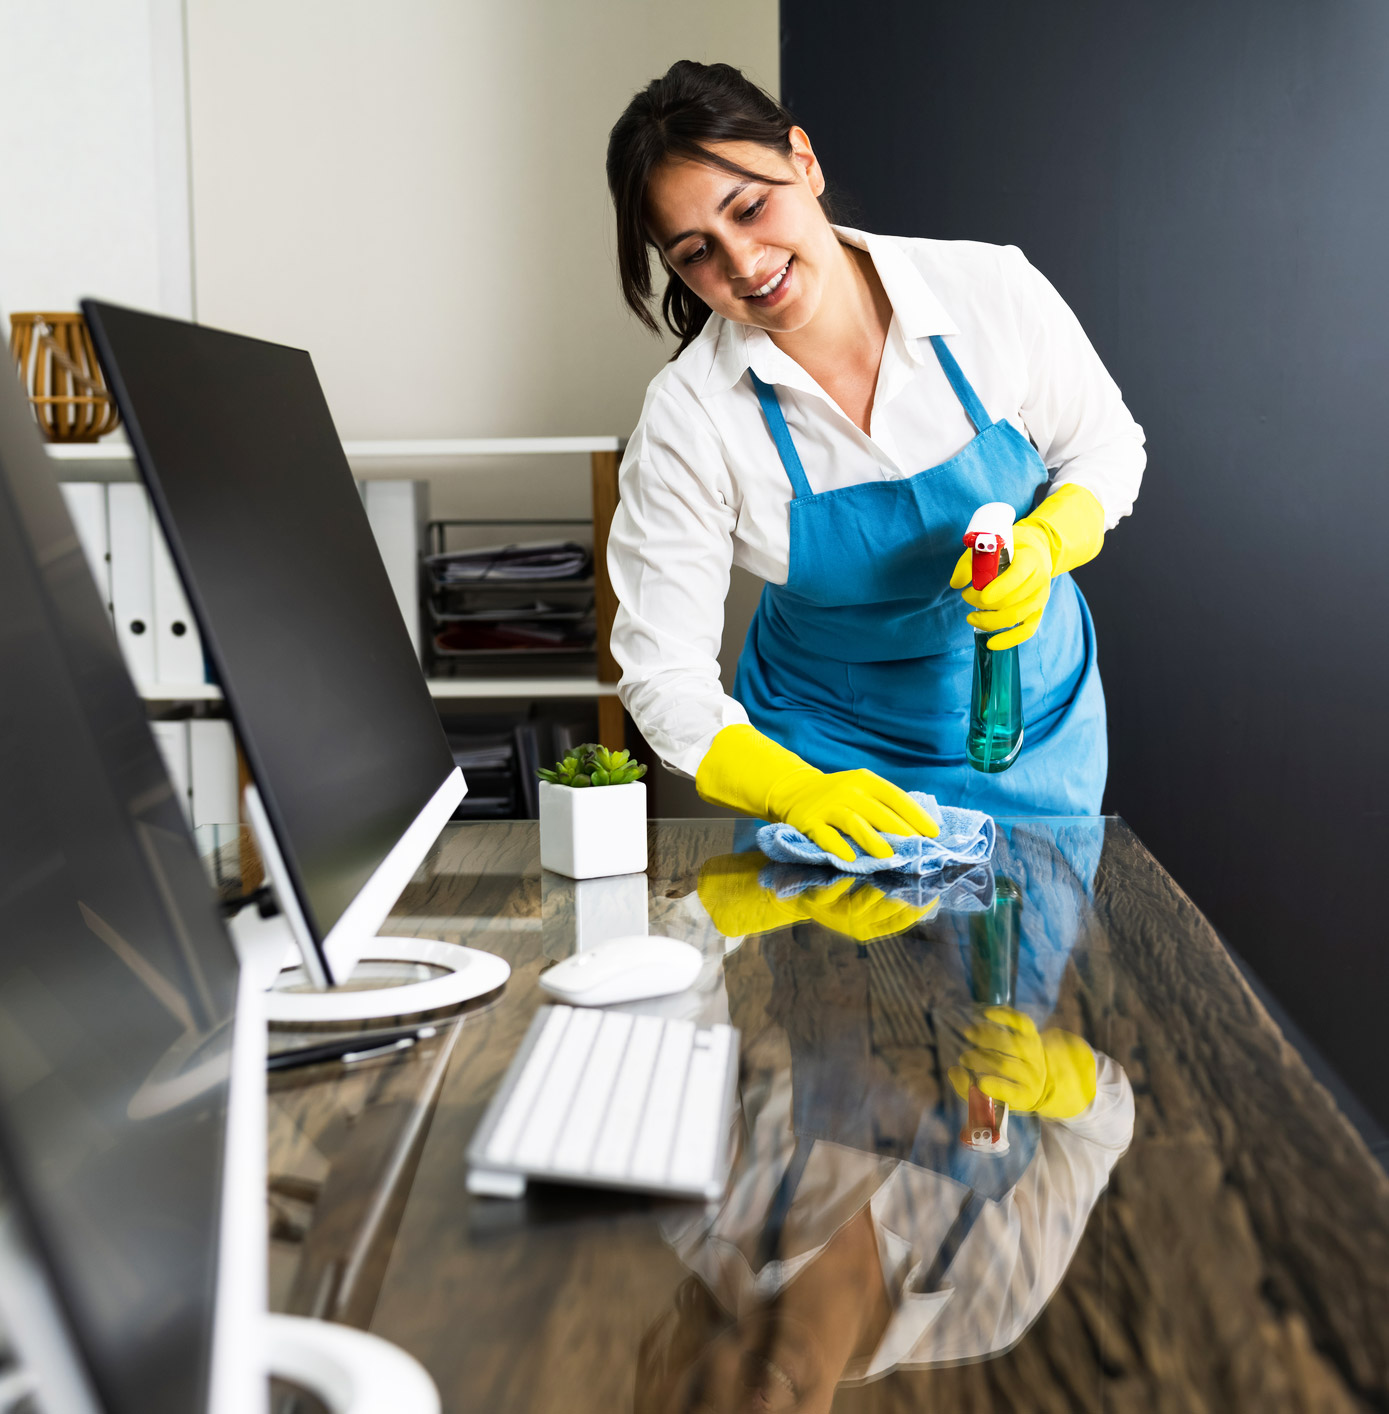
[781,435]
[967,396]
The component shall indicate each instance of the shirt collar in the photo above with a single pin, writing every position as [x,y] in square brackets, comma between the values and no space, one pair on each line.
[915,307]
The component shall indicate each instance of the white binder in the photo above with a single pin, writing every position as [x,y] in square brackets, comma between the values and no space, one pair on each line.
[212,768]
[132,578]
[172,740]
[87,506]
[398,511]
[178,649]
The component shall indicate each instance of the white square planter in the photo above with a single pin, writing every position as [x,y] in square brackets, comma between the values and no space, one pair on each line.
[593,831]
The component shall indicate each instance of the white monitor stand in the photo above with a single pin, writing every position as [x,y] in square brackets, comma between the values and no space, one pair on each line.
[272,945]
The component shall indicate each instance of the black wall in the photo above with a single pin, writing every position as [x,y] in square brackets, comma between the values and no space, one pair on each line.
[1207,184]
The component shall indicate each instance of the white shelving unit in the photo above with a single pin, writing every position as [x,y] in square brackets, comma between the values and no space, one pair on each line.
[114,460]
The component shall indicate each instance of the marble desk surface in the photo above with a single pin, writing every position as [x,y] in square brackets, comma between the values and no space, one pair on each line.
[1237,1259]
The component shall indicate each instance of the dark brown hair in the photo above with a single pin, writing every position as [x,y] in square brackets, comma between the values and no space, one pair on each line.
[679,115]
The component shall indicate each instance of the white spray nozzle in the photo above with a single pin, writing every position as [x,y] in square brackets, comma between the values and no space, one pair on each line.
[994,518]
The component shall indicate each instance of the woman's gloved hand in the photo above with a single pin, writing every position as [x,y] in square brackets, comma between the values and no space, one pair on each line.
[1066,530]
[738,904]
[750,772]
[1052,1074]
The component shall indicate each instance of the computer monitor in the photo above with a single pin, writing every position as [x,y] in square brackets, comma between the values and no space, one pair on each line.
[352,775]
[119,1027]
[132,1049]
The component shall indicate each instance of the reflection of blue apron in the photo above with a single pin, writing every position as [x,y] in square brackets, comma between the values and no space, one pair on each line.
[846,1092]
[863,657]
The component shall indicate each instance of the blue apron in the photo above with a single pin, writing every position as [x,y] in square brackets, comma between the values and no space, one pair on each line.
[863,657]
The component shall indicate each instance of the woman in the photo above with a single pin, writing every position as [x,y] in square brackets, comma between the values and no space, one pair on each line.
[819,371]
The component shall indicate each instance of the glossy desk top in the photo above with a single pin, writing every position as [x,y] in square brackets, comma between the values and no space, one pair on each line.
[1210,1235]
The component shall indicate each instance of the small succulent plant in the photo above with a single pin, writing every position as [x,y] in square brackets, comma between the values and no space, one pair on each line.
[594,765]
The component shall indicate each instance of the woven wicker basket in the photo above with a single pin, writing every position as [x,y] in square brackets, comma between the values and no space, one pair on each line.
[59,369]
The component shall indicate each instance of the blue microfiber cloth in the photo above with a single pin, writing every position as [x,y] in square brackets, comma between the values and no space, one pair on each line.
[961,889]
[966,837]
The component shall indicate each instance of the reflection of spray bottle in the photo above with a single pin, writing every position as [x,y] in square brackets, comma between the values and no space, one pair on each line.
[994,936]
[986,1124]
[994,737]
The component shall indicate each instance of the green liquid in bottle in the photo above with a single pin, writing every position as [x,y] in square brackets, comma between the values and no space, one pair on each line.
[995,708]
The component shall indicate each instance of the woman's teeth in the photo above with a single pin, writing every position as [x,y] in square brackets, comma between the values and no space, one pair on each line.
[782,1378]
[763,1376]
[772,283]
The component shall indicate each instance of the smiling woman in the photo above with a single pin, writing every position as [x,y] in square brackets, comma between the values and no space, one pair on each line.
[819,369]
[678,119]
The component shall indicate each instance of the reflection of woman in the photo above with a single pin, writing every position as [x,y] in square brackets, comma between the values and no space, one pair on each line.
[858,1234]
[875,1265]
[820,370]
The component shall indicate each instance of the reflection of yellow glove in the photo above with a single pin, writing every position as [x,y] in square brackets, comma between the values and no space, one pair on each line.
[738,904]
[1066,530]
[860,910]
[750,772]
[1052,1075]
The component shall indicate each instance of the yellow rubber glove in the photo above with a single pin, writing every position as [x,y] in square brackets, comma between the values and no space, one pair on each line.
[750,772]
[738,904]
[1052,1075]
[1066,530]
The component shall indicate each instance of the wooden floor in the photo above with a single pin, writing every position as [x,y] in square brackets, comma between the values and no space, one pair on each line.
[1238,1261]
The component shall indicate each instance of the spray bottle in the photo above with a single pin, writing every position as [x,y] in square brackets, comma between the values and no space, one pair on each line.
[994,737]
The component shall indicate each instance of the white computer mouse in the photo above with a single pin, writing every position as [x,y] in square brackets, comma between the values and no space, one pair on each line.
[623,970]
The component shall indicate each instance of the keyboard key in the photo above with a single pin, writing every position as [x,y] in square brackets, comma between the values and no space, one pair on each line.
[580,1131]
[651,1156]
[542,1126]
[612,1157]
[697,1135]
[518,1105]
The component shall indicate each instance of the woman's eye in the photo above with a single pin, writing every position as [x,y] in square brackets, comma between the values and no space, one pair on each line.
[753,211]
[695,256]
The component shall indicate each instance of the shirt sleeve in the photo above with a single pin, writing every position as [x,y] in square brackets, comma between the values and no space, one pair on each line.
[1074,411]
[1014,1257]
[670,551]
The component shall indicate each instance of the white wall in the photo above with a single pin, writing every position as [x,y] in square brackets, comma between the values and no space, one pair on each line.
[415,192]
[93,190]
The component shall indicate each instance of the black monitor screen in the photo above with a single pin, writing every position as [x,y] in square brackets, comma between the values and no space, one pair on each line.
[117,979]
[250,481]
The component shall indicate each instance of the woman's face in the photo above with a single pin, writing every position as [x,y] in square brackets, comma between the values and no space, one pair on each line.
[756,252]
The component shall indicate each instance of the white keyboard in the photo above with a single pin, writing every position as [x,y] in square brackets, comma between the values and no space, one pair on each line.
[612,1100]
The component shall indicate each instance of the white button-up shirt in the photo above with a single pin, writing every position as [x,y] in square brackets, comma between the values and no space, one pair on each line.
[702,487]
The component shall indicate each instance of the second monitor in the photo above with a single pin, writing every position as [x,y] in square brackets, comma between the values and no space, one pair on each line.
[352,776]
